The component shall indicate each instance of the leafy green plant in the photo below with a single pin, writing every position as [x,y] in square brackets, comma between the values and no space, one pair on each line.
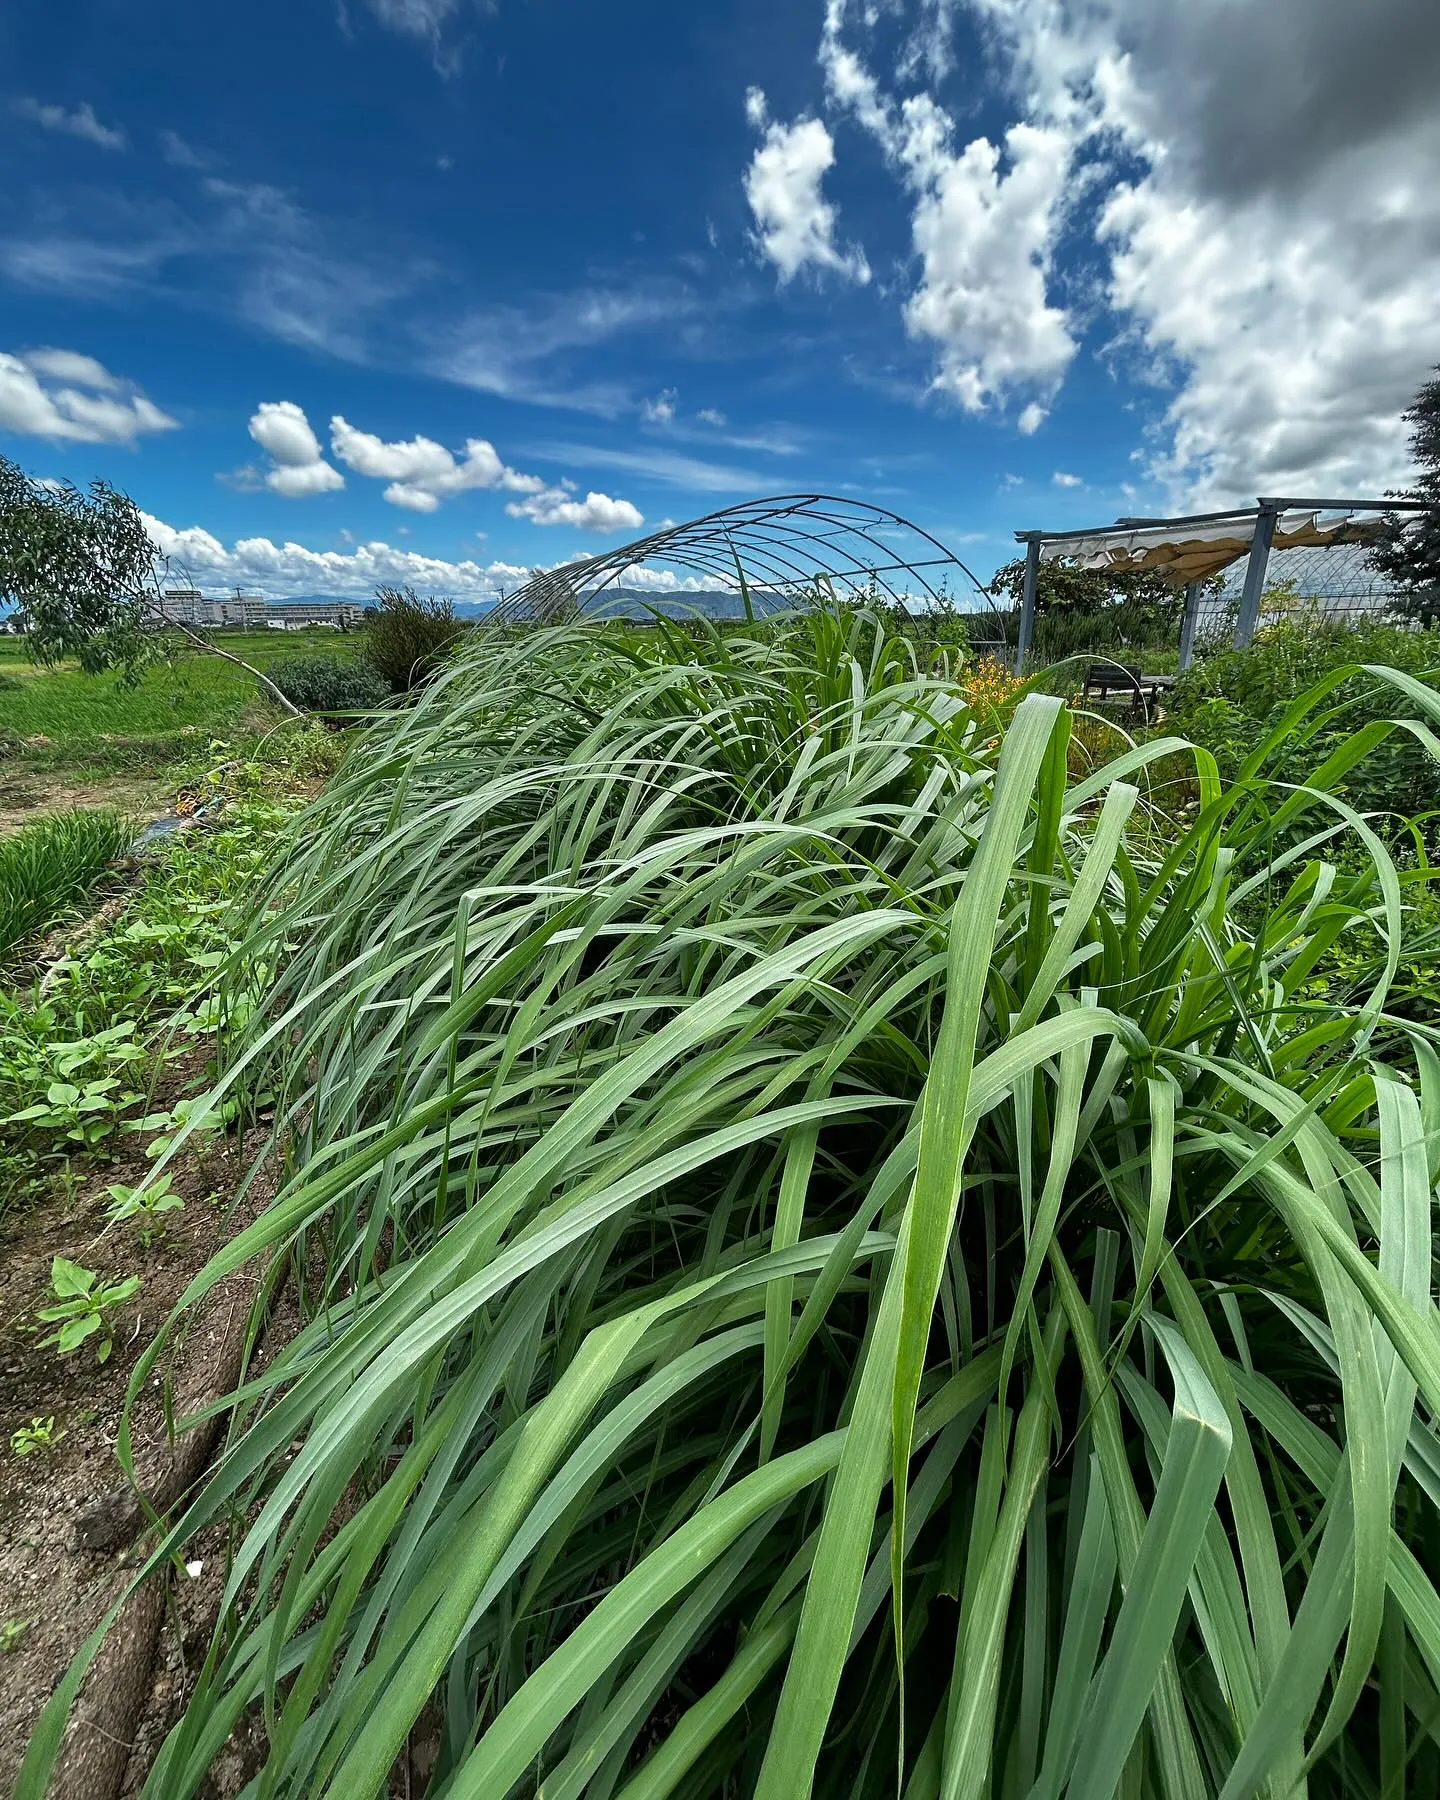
[839,1257]
[332,684]
[197,1117]
[78,1052]
[13,1633]
[84,1307]
[39,1434]
[82,1114]
[47,868]
[144,1205]
[1235,701]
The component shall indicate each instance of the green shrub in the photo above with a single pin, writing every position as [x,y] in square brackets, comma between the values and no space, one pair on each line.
[837,1259]
[406,638]
[330,684]
[1232,700]
[48,867]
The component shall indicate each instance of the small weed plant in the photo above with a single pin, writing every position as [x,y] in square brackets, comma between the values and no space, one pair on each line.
[144,1205]
[39,1434]
[85,1307]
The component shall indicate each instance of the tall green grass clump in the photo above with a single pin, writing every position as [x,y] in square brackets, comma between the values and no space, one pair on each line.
[48,867]
[847,1262]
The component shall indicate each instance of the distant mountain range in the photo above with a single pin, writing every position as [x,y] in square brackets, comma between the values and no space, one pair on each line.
[714,603]
[616,603]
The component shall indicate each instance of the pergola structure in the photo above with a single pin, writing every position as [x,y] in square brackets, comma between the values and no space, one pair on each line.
[1188,551]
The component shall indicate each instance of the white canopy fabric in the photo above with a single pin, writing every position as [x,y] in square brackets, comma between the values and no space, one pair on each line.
[1192,551]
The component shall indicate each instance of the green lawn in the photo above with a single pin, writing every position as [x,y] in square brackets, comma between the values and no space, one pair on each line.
[67,737]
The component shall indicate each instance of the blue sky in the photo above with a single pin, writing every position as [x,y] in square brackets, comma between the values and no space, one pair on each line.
[435,290]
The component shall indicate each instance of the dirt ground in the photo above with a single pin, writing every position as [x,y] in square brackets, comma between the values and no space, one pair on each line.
[27,794]
[53,1591]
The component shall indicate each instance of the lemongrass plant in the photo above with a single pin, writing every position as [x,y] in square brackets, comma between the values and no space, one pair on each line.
[849,1265]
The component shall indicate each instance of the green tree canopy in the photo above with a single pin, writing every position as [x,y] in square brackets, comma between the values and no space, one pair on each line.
[80,569]
[1410,551]
[85,576]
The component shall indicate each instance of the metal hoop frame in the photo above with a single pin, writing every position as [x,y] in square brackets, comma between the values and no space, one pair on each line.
[782,543]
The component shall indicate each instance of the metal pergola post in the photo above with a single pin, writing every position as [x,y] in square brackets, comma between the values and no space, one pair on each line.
[1187,625]
[1255,566]
[1027,601]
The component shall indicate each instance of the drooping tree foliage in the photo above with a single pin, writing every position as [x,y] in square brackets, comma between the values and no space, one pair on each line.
[80,568]
[841,1253]
[1410,552]
[86,578]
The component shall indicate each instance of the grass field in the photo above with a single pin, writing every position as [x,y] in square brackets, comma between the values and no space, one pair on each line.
[67,737]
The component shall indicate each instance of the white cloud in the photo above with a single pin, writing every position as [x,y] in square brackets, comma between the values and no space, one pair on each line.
[656,463]
[1270,257]
[596,512]
[421,472]
[275,570]
[415,18]
[984,233]
[984,224]
[1032,417]
[795,224]
[75,367]
[178,153]
[1062,478]
[1295,349]
[709,415]
[660,410]
[67,396]
[1275,259]
[298,469]
[81,123]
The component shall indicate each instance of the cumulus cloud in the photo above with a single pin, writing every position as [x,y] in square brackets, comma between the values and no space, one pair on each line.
[983,225]
[1255,186]
[261,566]
[660,410]
[596,512]
[67,396]
[80,122]
[710,415]
[298,469]
[1062,478]
[795,224]
[421,472]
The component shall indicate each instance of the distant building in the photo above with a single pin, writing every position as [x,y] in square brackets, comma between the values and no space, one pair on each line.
[288,615]
[188,606]
[243,609]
